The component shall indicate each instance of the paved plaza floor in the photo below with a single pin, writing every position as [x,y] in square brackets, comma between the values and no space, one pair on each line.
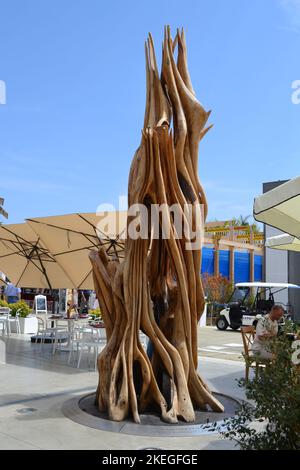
[220,344]
[34,386]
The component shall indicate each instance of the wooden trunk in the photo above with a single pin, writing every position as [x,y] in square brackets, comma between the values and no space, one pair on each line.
[157,288]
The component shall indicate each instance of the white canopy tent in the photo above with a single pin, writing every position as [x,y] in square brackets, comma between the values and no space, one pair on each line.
[280,207]
[284,242]
[270,285]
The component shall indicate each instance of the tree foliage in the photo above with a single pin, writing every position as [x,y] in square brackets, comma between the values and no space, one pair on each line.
[217,288]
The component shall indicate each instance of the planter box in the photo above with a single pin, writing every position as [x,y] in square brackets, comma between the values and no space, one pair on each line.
[28,325]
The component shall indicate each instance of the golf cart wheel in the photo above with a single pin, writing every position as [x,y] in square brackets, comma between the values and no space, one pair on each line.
[222,324]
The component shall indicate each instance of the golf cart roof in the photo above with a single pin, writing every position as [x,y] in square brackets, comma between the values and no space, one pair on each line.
[268,285]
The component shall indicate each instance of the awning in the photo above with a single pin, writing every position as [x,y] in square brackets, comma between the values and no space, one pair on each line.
[280,207]
[284,242]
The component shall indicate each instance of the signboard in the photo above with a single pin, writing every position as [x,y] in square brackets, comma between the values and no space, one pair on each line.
[40,304]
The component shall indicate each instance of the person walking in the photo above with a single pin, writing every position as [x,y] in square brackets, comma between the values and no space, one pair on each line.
[12,293]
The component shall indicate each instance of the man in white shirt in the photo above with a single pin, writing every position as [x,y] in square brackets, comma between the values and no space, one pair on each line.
[12,293]
[266,329]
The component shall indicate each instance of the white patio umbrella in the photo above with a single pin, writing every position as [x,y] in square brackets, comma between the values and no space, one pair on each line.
[280,207]
[283,242]
[71,237]
[27,262]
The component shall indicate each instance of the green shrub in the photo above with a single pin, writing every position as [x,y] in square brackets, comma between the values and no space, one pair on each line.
[23,308]
[3,303]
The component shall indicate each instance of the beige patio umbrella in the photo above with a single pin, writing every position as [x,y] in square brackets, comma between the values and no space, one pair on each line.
[279,207]
[71,237]
[27,262]
[283,242]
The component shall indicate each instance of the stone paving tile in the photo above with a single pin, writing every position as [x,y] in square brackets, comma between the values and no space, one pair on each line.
[42,383]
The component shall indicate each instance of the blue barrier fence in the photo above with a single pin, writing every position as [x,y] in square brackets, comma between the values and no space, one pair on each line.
[241,264]
[258,268]
[207,260]
[224,263]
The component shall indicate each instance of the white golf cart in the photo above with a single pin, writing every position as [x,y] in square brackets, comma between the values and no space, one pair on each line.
[238,312]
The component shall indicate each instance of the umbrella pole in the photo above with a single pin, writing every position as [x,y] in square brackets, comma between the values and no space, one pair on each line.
[53,302]
[54,297]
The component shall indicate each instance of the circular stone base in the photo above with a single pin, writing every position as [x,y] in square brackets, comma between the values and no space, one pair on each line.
[84,411]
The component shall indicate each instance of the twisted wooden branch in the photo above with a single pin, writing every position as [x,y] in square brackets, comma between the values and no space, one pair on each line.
[157,288]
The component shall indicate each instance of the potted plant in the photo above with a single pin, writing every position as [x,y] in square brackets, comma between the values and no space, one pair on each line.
[28,322]
[96,314]
[96,317]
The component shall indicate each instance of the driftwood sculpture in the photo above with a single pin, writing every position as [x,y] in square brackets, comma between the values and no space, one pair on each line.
[157,288]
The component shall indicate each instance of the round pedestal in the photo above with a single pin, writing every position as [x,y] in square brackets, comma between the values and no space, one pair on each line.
[84,411]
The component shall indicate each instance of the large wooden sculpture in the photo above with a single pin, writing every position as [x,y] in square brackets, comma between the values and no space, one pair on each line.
[157,287]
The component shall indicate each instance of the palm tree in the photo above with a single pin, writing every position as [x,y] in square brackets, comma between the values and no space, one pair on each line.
[255,228]
[243,220]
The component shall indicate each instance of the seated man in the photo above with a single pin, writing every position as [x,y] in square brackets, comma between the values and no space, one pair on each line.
[266,329]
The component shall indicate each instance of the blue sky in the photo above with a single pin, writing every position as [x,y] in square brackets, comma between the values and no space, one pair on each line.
[75,79]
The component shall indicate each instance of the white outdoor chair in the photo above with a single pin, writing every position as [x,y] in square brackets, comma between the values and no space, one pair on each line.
[16,320]
[7,318]
[56,334]
[74,339]
[91,339]
[4,320]
[4,325]
[43,332]
[60,336]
